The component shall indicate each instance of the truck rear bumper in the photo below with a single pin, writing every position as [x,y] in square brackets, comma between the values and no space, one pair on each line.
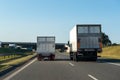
[84,55]
[46,54]
[90,50]
[41,57]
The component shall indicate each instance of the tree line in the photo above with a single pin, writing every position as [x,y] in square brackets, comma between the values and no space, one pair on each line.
[105,40]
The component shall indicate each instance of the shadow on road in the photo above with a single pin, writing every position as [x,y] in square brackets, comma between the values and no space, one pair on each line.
[101,60]
[57,60]
[62,60]
[108,60]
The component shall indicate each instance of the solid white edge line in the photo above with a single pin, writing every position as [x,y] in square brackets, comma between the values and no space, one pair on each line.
[71,64]
[15,73]
[117,64]
[92,77]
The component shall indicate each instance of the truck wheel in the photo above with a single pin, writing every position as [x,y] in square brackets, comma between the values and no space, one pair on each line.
[74,57]
[52,57]
[39,57]
[71,58]
[94,59]
[71,55]
[77,59]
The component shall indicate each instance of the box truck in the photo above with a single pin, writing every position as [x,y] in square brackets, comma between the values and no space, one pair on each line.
[45,47]
[85,42]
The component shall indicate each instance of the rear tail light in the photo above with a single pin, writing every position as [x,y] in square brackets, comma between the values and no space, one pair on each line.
[78,43]
[100,42]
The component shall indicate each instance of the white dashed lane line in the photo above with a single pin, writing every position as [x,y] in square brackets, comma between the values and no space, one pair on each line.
[117,64]
[92,77]
[71,64]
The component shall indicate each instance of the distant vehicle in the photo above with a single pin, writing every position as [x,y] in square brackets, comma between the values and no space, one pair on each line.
[45,47]
[85,42]
[67,48]
[12,45]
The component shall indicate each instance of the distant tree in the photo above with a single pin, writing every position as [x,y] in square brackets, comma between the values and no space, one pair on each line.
[115,44]
[105,40]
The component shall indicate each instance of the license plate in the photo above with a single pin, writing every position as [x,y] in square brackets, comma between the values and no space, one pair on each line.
[89,50]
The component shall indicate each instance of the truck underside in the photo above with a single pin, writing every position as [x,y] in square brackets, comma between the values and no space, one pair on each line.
[41,57]
[83,55]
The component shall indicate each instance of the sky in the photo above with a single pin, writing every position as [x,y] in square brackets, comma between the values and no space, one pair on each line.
[24,20]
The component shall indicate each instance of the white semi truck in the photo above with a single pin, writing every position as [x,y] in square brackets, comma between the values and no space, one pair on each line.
[45,47]
[85,42]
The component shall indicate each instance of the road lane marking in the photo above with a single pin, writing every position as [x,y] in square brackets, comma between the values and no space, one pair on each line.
[117,64]
[18,71]
[92,77]
[71,64]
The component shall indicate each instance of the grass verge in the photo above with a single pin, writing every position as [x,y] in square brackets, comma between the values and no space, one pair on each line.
[112,52]
[4,67]
[15,62]
[9,57]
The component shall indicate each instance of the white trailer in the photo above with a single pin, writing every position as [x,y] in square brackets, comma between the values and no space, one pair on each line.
[85,41]
[46,47]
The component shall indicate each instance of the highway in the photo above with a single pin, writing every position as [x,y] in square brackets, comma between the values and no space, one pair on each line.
[64,69]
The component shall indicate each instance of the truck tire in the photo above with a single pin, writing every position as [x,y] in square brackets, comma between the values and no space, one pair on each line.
[71,55]
[95,56]
[71,58]
[94,59]
[39,57]
[52,57]
[75,57]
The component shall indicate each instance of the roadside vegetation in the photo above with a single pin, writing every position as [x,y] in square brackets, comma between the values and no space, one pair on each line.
[15,62]
[112,52]
[10,57]
[11,53]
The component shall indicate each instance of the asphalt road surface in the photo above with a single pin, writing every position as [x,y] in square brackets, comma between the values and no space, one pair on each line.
[64,69]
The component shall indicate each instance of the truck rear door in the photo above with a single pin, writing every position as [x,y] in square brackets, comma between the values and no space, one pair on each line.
[89,42]
[50,46]
[88,36]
